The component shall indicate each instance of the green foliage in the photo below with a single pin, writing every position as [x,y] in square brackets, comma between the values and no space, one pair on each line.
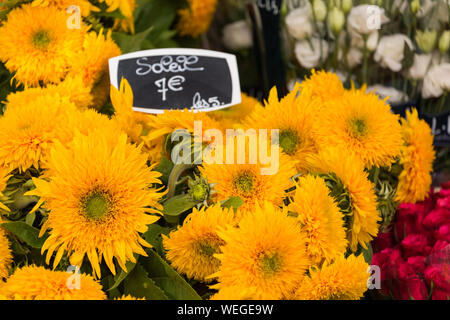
[176,205]
[25,232]
[232,202]
[173,285]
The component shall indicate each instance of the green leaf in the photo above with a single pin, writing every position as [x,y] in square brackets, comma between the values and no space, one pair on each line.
[139,285]
[232,202]
[130,43]
[122,275]
[176,206]
[25,232]
[174,286]
[153,236]
[29,219]
[367,253]
[165,166]
[408,58]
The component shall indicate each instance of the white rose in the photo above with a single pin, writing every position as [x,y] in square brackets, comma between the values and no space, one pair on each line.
[420,66]
[299,23]
[237,35]
[389,52]
[363,19]
[309,57]
[436,81]
[395,96]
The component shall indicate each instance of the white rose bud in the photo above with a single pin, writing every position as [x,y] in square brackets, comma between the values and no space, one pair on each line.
[320,10]
[237,35]
[347,5]
[336,20]
[415,6]
[299,24]
[310,57]
[389,52]
[372,41]
[395,96]
[426,40]
[420,66]
[436,81]
[444,42]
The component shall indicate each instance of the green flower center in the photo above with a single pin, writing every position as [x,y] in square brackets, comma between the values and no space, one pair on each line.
[270,264]
[41,39]
[358,128]
[96,205]
[244,182]
[199,192]
[289,141]
[208,247]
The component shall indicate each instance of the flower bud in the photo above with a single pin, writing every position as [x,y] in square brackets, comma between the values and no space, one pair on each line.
[320,10]
[199,189]
[444,42]
[415,6]
[426,40]
[336,20]
[347,5]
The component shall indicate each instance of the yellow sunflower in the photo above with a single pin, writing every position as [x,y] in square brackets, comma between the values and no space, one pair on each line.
[321,220]
[191,248]
[195,20]
[295,118]
[344,279]
[90,120]
[232,116]
[248,183]
[72,87]
[266,252]
[38,283]
[323,86]
[29,129]
[135,124]
[38,46]
[128,297]
[416,157]
[99,193]
[5,254]
[235,293]
[361,123]
[4,176]
[355,194]
[84,6]
[126,7]
[92,65]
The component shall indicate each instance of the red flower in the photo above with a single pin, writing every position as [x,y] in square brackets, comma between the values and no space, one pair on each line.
[382,241]
[436,217]
[415,245]
[443,233]
[417,263]
[411,286]
[439,274]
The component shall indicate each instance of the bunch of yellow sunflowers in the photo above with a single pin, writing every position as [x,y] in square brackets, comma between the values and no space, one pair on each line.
[93,204]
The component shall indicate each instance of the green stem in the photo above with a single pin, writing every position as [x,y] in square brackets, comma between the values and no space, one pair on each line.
[174,176]
[365,58]
[442,104]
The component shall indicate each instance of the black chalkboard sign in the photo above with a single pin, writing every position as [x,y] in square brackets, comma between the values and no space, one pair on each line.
[440,126]
[163,79]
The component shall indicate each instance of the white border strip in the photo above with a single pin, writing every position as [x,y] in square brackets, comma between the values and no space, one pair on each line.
[231,60]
